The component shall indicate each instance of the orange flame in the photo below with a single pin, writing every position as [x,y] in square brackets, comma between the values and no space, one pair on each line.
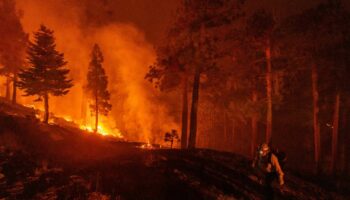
[137,111]
[103,127]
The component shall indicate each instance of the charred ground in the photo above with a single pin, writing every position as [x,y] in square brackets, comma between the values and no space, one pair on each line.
[39,161]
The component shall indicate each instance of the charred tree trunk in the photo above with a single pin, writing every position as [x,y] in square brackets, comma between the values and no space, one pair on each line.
[14,89]
[46,104]
[347,149]
[194,109]
[195,97]
[343,141]
[96,112]
[184,113]
[233,135]
[83,110]
[254,125]
[335,132]
[210,139]
[8,84]
[268,92]
[316,124]
[225,131]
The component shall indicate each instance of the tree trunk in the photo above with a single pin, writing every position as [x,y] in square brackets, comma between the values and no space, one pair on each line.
[46,104]
[96,112]
[209,140]
[14,89]
[346,140]
[194,109]
[195,97]
[83,109]
[254,125]
[8,83]
[225,131]
[316,123]
[335,132]
[343,141]
[268,92]
[233,135]
[184,113]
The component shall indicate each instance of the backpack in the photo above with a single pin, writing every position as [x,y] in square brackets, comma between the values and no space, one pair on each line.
[281,156]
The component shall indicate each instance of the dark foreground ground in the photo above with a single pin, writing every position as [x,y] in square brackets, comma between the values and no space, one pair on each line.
[54,162]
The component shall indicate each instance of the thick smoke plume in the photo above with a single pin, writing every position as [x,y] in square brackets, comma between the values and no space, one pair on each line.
[137,110]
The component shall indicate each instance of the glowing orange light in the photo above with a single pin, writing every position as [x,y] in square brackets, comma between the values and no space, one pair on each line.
[102,130]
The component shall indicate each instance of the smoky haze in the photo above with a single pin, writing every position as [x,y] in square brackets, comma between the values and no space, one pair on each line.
[126,32]
[137,110]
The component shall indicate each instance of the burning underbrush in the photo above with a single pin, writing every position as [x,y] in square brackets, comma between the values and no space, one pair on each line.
[104,127]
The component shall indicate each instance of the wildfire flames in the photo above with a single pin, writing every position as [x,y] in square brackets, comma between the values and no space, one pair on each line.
[136,111]
[103,128]
[103,131]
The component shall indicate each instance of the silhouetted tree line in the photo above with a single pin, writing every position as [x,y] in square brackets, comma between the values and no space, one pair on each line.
[257,79]
[44,71]
[12,45]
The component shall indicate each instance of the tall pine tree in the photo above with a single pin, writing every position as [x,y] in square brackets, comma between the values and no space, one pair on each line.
[260,27]
[47,73]
[97,85]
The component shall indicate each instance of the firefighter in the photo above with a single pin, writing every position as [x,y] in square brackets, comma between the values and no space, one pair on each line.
[268,168]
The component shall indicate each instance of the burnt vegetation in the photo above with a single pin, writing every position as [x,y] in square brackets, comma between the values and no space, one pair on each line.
[231,77]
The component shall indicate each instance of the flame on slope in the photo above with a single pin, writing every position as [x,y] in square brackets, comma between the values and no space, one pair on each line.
[103,130]
[104,127]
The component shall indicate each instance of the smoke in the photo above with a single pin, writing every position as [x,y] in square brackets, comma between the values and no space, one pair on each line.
[137,110]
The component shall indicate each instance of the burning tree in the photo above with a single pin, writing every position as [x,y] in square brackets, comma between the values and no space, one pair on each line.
[97,85]
[46,74]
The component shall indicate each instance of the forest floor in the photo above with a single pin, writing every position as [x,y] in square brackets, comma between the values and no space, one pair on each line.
[39,161]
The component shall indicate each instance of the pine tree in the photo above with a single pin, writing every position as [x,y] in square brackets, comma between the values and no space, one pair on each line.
[192,52]
[47,73]
[261,25]
[97,85]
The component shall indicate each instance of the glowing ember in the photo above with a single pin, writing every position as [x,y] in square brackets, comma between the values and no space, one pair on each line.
[29,106]
[146,146]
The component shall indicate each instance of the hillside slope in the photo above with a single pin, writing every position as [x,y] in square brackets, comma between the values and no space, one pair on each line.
[39,161]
